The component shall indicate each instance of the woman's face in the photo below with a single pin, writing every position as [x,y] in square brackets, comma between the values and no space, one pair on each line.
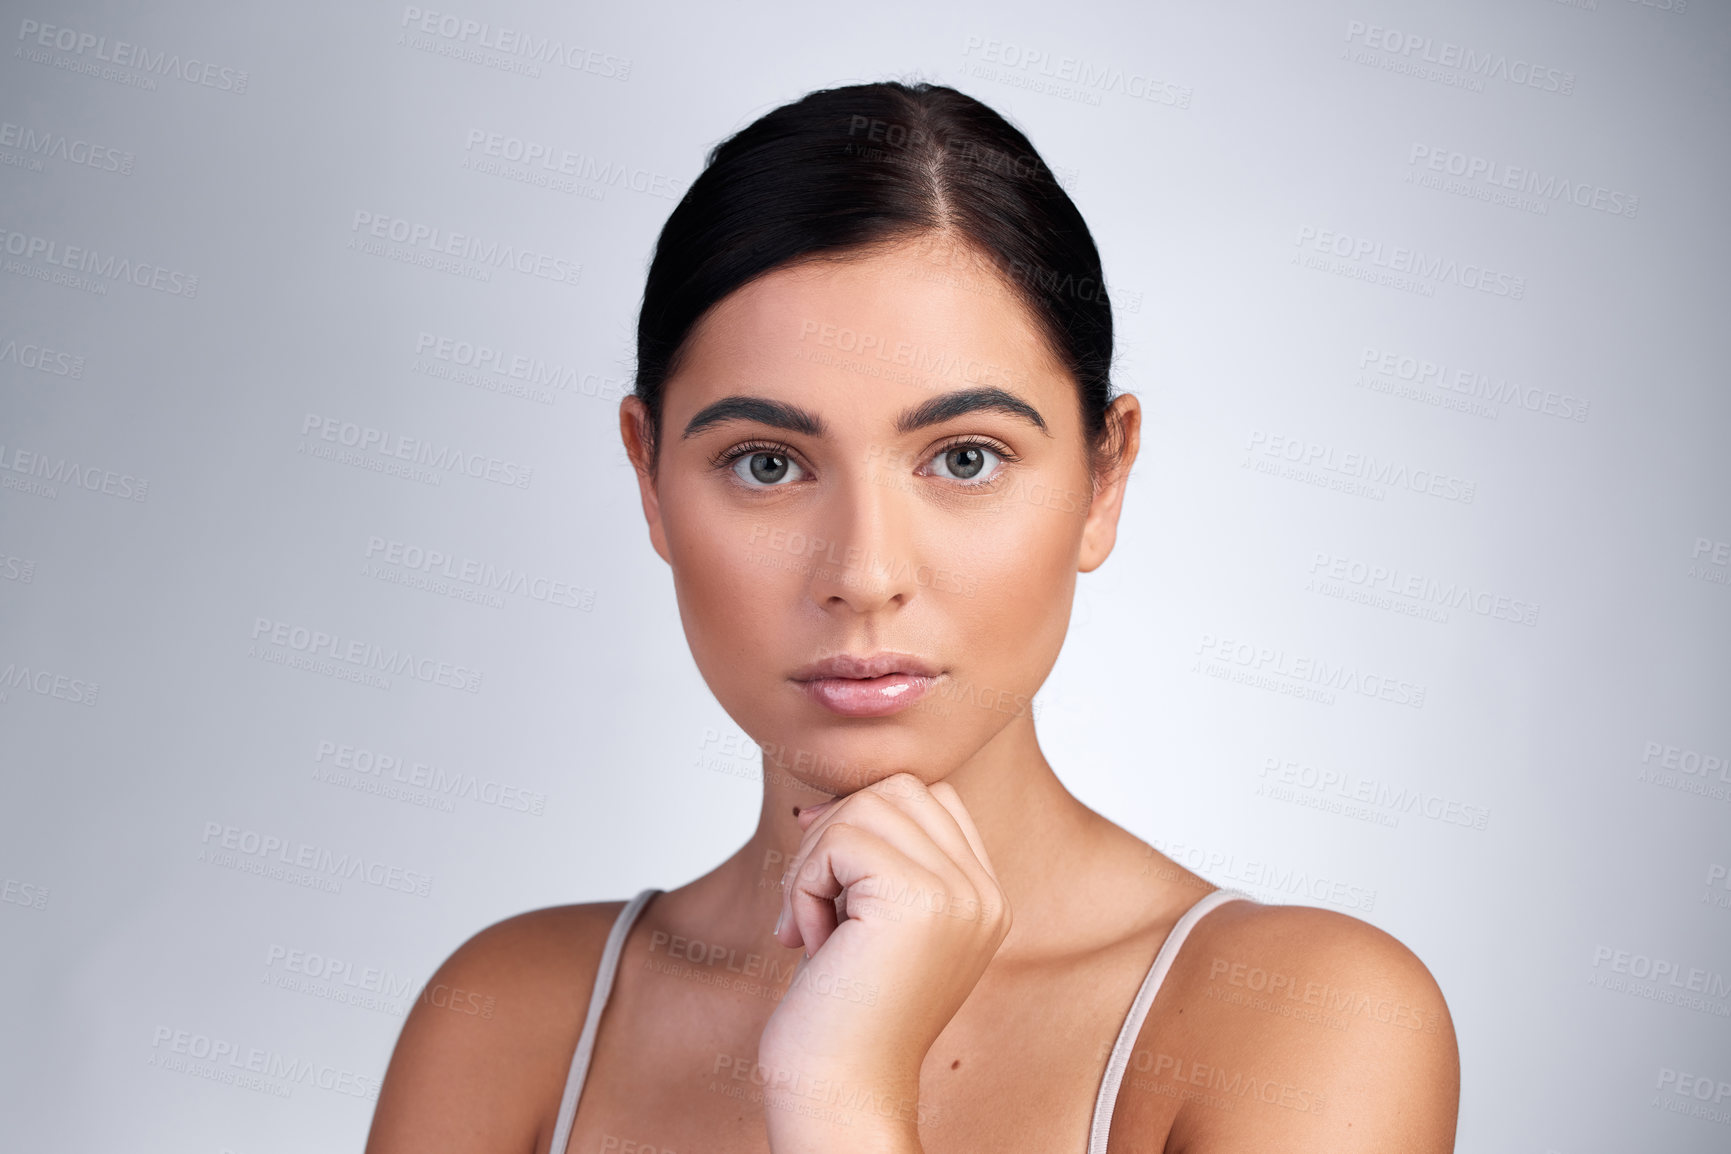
[853,464]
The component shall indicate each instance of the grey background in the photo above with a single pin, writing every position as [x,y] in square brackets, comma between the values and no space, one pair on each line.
[1217,151]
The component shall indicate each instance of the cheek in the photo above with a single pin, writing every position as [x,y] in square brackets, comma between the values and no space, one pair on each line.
[728,573]
[1011,576]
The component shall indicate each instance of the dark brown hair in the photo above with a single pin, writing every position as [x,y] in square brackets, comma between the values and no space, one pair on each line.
[845,170]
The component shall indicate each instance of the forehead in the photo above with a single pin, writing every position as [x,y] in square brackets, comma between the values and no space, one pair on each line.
[921,317]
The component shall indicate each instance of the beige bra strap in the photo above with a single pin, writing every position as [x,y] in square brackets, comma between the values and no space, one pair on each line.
[1132,1029]
[592,1023]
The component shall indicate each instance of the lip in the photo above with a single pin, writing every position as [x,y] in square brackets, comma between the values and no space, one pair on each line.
[874,686]
[877,665]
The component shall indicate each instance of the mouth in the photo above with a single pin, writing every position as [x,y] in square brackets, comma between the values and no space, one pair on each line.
[874,686]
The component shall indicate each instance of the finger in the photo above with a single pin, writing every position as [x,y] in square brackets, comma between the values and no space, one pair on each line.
[946,796]
[810,813]
[902,811]
[786,926]
[939,810]
[924,833]
[913,797]
[874,874]
[992,898]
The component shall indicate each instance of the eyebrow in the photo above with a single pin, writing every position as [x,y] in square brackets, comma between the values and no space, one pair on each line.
[781,415]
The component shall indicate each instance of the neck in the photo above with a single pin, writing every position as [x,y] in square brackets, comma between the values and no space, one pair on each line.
[1039,837]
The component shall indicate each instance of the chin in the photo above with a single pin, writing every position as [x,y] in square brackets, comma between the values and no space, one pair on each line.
[846,757]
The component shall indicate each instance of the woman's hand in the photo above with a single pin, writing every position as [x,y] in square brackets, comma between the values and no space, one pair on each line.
[893,898]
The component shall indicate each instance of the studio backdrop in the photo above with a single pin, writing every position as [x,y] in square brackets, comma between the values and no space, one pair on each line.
[330,631]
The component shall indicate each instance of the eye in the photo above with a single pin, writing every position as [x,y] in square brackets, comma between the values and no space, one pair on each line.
[972,461]
[765,467]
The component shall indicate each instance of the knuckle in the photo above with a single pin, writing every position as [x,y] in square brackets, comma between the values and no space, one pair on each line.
[865,802]
[902,784]
[837,833]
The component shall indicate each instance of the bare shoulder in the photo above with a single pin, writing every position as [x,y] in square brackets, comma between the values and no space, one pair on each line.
[1303,1029]
[482,1058]
[1321,942]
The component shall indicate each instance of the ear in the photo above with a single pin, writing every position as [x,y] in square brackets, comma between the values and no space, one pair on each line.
[1100,530]
[634,430]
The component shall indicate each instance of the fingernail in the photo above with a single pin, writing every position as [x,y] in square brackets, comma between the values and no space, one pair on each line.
[818,808]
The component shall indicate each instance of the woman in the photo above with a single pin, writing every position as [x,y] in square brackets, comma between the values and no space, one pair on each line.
[875,441]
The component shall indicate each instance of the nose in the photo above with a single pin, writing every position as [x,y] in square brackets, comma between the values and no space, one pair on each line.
[868,564]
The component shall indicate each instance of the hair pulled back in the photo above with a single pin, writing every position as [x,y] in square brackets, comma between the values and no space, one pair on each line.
[866,165]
